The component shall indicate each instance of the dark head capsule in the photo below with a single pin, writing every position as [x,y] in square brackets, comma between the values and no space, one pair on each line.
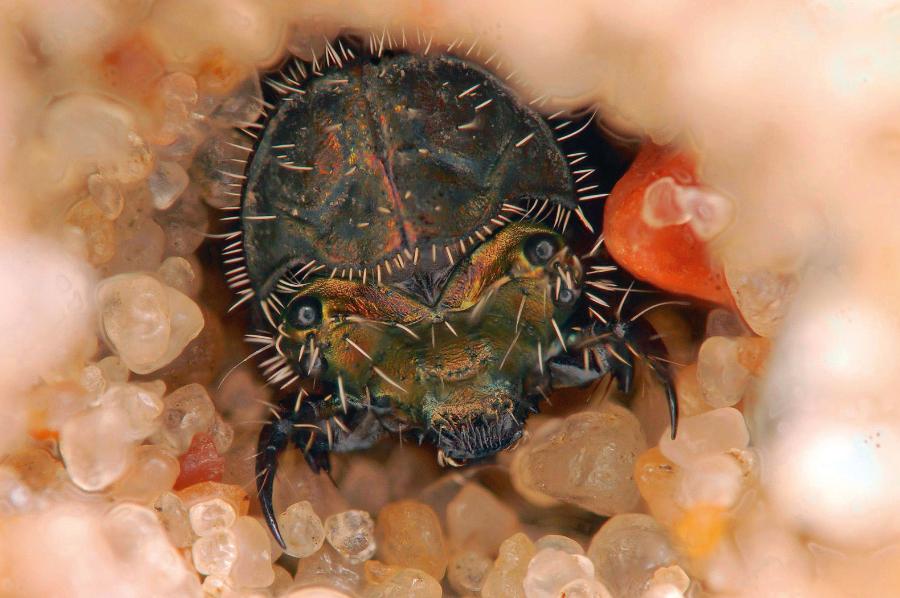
[408,230]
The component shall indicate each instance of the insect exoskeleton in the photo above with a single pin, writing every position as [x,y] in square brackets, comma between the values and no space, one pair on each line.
[408,229]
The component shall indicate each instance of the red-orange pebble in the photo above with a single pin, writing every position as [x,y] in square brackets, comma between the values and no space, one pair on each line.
[672,257]
[201,462]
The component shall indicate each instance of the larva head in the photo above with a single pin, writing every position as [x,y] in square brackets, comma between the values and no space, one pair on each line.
[456,369]
[401,223]
[393,164]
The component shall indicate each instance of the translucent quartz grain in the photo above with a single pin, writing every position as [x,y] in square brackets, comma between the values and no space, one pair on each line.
[88,133]
[107,196]
[305,485]
[329,568]
[174,518]
[691,400]
[99,232]
[724,322]
[188,410]
[564,543]
[588,461]
[467,570]
[666,203]
[114,370]
[222,434]
[722,377]
[627,550]
[657,480]
[200,360]
[134,312]
[385,581]
[440,493]
[700,532]
[157,387]
[660,207]
[178,273]
[478,520]
[186,324]
[92,379]
[662,590]
[526,491]
[710,212]
[184,224]
[762,296]
[301,529]
[539,428]
[550,570]
[673,576]
[144,322]
[505,579]
[218,586]
[275,548]
[143,550]
[186,33]
[716,480]
[318,592]
[140,242]
[134,164]
[178,92]
[216,552]
[352,534]
[141,404]
[283,581]
[185,137]
[409,535]
[243,104]
[230,493]
[208,515]
[253,565]
[707,434]
[585,588]
[753,352]
[153,472]
[73,241]
[53,404]
[96,447]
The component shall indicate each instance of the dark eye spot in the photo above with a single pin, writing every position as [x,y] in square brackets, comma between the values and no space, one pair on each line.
[539,249]
[303,313]
[566,297]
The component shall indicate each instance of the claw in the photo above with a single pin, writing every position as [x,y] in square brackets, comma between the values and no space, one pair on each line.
[673,406]
[273,440]
[662,374]
[286,427]
[613,353]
